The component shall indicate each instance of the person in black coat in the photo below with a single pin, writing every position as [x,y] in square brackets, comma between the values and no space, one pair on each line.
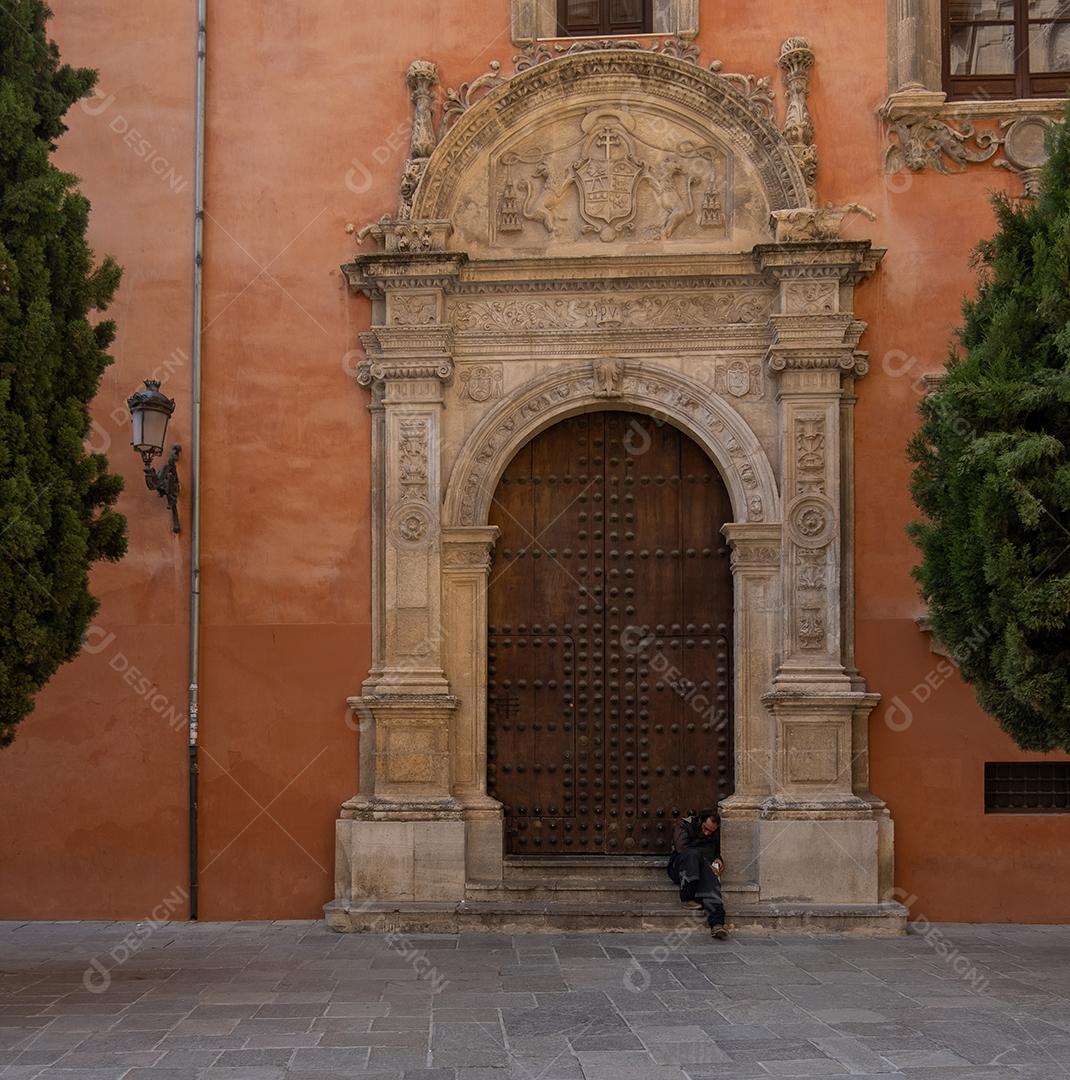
[695,865]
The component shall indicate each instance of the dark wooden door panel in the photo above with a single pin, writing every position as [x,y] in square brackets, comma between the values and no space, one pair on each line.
[609,637]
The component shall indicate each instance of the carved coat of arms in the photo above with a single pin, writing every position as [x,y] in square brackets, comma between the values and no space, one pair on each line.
[608,174]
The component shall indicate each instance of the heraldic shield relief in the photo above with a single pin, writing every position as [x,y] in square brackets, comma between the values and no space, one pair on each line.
[608,175]
[613,173]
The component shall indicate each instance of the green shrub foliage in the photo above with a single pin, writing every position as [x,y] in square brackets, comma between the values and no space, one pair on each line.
[992,472]
[55,497]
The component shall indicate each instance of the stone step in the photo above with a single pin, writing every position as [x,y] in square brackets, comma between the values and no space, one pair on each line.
[656,889]
[585,866]
[554,916]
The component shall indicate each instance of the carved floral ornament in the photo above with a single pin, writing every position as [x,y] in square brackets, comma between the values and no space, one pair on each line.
[935,138]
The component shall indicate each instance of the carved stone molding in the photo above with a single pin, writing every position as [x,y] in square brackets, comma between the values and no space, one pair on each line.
[926,133]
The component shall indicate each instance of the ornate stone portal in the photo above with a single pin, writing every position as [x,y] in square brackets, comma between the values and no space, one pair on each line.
[616,227]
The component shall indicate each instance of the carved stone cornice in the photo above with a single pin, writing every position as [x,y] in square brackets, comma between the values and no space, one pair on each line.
[397,353]
[755,546]
[373,274]
[927,132]
[843,260]
[816,342]
[468,549]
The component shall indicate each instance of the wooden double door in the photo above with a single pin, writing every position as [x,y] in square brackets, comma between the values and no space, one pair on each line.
[609,638]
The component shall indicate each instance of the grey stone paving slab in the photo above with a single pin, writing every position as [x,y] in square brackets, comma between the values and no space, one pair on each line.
[291,1001]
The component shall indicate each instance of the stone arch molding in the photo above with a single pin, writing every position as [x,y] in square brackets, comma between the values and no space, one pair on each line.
[612,383]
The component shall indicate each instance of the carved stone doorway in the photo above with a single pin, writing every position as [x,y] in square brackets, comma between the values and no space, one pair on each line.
[609,638]
[713,294]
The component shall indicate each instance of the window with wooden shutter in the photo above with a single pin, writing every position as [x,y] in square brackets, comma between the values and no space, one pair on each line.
[592,18]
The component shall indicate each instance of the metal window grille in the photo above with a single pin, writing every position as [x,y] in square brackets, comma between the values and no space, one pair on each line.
[1027,787]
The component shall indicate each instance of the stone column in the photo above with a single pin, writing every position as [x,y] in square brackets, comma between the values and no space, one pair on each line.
[820,839]
[466,556]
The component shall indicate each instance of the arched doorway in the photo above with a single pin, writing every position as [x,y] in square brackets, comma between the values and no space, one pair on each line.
[609,696]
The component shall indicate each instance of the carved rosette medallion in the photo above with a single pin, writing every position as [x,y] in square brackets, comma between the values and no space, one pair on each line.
[811,521]
[411,524]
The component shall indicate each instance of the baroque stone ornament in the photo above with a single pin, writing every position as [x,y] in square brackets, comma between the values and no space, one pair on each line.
[928,142]
[595,186]
[689,177]
[936,138]
[814,223]
[422,77]
[796,60]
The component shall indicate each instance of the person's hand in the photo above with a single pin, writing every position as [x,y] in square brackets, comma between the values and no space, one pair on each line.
[718,866]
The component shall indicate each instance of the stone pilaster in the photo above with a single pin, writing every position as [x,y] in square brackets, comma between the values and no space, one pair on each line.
[756,606]
[402,836]
[820,803]
[466,554]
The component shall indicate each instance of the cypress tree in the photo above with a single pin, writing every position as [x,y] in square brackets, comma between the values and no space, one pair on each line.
[992,471]
[55,497]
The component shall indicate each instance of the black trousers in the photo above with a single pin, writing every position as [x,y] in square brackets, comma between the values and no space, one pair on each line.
[693,873]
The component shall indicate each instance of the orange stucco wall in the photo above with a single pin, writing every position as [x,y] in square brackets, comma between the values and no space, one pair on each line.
[307,131]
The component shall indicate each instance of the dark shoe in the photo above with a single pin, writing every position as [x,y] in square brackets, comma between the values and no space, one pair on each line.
[718,932]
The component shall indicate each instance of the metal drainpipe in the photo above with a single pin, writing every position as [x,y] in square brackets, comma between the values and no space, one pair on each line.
[195,458]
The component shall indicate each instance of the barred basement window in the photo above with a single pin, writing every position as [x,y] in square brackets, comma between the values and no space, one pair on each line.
[1027,787]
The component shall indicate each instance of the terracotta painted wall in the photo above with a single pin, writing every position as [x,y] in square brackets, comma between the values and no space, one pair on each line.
[307,131]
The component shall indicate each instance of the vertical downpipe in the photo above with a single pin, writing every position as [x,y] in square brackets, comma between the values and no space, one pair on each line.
[195,462]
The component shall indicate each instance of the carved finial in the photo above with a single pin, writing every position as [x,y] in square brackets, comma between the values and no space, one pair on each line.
[796,59]
[422,77]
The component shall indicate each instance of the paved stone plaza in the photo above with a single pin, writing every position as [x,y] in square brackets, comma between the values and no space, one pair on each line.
[262,1001]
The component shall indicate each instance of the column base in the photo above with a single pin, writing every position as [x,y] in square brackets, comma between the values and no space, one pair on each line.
[396,851]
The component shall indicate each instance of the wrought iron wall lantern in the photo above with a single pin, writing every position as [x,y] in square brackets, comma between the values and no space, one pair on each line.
[149,413]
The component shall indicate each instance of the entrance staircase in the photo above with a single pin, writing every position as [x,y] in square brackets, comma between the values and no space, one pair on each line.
[597,894]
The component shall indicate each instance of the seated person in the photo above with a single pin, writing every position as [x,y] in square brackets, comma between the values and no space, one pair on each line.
[695,865]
